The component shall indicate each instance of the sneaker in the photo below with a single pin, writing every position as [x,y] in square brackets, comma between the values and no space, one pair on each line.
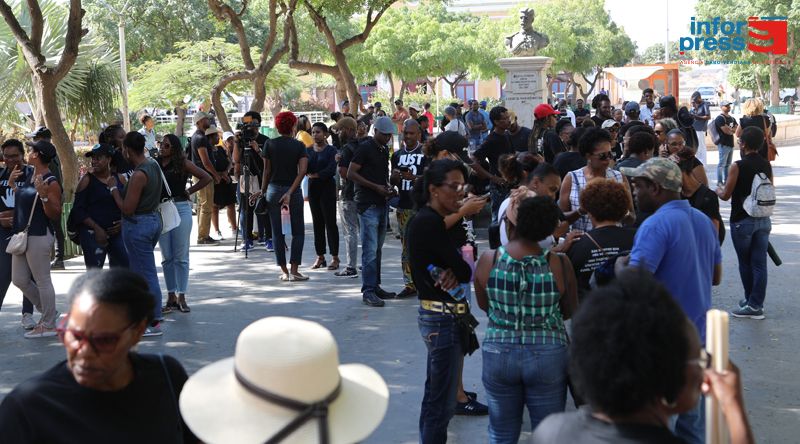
[408,292]
[207,241]
[748,312]
[246,246]
[383,294]
[27,321]
[57,264]
[347,272]
[153,330]
[371,299]
[40,331]
[219,236]
[471,408]
[270,247]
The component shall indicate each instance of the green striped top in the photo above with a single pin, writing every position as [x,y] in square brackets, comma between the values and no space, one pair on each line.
[523,302]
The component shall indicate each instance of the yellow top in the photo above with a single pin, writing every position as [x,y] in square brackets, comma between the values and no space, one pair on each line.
[306,138]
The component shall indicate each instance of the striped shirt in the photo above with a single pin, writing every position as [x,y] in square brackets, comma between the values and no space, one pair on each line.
[524,302]
[578,184]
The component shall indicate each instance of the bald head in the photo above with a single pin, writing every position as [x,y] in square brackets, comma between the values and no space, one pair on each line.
[412,133]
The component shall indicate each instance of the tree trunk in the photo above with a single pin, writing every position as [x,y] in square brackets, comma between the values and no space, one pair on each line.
[391,89]
[348,79]
[341,92]
[774,81]
[180,112]
[216,94]
[759,85]
[45,91]
[275,103]
[260,91]
[403,86]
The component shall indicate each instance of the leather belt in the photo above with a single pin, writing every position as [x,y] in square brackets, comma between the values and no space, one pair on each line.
[444,307]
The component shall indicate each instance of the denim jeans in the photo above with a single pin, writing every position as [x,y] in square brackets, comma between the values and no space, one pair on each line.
[175,251]
[373,232]
[691,426]
[725,157]
[497,194]
[516,376]
[440,334]
[750,238]
[274,194]
[94,256]
[348,215]
[140,233]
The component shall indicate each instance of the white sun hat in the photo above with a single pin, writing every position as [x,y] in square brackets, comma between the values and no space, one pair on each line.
[281,362]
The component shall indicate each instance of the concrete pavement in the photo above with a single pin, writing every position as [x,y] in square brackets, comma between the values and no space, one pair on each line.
[228,292]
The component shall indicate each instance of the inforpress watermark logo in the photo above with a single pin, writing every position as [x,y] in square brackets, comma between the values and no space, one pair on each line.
[770,35]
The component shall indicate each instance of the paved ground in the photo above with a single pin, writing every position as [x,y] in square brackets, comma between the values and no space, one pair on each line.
[228,292]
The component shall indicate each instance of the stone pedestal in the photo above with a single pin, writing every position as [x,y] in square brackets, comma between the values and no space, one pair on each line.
[526,85]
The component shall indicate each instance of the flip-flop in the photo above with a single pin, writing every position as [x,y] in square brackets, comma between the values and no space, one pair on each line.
[285,278]
[297,277]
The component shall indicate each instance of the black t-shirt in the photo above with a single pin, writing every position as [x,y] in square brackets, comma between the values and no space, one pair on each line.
[760,121]
[598,121]
[552,145]
[719,122]
[519,141]
[624,128]
[415,161]
[374,161]
[580,112]
[53,408]
[284,154]
[587,255]
[255,164]
[492,148]
[6,195]
[569,161]
[199,141]
[628,162]
[707,202]
[430,244]
[749,166]
[346,156]
[581,427]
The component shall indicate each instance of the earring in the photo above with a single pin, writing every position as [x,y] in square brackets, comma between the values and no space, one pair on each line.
[670,405]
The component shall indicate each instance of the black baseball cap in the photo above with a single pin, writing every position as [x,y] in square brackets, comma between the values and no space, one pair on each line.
[101,149]
[455,143]
[40,131]
[44,147]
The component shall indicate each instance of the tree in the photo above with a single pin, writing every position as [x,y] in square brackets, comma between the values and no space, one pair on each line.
[654,54]
[583,39]
[324,13]
[271,51]
[47,73]
[753,77]
[775,64]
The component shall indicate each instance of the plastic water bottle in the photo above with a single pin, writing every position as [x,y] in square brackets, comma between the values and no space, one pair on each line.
[435,272]
[286,221]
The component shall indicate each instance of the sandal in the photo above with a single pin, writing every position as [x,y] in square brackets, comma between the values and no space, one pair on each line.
[334,265]
[319,264]
[297,277]
[285,277]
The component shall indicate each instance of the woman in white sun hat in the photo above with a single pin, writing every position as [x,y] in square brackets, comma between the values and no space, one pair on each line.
[284,384]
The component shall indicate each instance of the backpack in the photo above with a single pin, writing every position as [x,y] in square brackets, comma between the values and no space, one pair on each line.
[761,201]
[712,128]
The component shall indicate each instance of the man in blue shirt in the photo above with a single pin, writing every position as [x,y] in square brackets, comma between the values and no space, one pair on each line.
[679,245]
[701,113]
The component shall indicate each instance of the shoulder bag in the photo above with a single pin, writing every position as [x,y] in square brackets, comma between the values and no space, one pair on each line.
[772,150]
[18,243]
[170,219]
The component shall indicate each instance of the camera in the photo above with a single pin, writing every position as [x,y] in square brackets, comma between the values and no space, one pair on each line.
[247,131]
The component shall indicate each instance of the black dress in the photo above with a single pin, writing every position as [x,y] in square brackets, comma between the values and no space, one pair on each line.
[224,192]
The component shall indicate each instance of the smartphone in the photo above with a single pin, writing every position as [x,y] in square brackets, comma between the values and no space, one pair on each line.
[486,196]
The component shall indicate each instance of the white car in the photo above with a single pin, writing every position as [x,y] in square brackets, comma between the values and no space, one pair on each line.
[709,94]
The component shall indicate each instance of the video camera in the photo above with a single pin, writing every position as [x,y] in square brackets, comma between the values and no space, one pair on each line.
[247,131]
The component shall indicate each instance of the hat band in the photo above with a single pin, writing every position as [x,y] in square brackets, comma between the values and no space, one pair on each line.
[308,412]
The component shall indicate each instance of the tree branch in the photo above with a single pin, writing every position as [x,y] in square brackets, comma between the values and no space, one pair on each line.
[33,56]
[371,22]
[224,12]
[72,40]
[331,70]
[37,24]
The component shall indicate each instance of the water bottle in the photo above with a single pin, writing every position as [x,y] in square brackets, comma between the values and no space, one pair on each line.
[286,221]
[435,272]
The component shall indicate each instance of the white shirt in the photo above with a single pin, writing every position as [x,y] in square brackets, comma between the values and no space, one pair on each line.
[646,114]
[571,116]
[456,125]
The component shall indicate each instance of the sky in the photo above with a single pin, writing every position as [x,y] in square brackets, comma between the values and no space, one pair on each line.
[644,21]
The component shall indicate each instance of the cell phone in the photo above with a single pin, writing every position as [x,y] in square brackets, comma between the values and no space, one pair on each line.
[486,196]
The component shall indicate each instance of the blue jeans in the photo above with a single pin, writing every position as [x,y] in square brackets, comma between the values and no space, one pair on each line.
[94,256]
[440,334]
[691,426]
[497,194]
[274,194]
[175,251]
[140,233]
[750,238]
[725,157]
[516,376]
[373,232]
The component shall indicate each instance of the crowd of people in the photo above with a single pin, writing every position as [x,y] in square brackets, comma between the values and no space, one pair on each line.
[592,218]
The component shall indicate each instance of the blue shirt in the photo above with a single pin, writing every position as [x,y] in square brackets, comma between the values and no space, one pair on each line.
[322,163]
[679,245]
[701,110]
[485,115]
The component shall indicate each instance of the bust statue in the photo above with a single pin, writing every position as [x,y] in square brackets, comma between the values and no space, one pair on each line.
[526,42]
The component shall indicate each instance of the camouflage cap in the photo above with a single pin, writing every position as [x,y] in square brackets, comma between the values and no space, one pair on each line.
[664,172]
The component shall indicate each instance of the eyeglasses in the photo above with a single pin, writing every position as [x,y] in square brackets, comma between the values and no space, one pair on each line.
[604,156]
[704,361]
[658,132]
[101,343]
[457,187]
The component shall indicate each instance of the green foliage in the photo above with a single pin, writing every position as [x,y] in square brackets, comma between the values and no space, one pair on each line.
[744,76]
[654,54]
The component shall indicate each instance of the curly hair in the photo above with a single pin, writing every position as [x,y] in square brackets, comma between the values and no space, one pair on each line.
[642,142]
[606,200]
[591,138]
[285,122]
[629,345]
[537,218]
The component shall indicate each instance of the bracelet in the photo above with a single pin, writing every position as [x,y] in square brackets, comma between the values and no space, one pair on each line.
[111,189]
[44,199]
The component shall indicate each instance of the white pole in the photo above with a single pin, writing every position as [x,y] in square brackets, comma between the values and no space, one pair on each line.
[123,72]
[666,41]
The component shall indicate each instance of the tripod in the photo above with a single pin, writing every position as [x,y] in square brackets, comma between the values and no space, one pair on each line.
[244,200]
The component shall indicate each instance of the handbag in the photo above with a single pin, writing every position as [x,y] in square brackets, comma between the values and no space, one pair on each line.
[18,243]
[772,150]
[170,219]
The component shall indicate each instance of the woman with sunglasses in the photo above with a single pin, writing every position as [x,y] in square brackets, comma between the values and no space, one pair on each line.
[104,391]
[175,243]
[677,150]
[100,229]
[595,146]
[661,128]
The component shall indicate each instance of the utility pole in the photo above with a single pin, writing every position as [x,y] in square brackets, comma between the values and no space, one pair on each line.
[123,63]
[666,40]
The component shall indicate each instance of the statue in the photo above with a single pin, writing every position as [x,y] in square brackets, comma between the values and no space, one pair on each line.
[526,42]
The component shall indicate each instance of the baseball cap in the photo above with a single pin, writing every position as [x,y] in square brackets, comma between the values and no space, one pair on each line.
[631,107]
[104,149]
[483,103]
[198,116]
[608,123]
[543,110]
[725,103]
[227,135]
[455,143]
[40,131]
[667,102]
[211,130]
[44,147]
[378,105]
[345,122]
[384,125]
[662,171]
[415,106]
[398,102]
